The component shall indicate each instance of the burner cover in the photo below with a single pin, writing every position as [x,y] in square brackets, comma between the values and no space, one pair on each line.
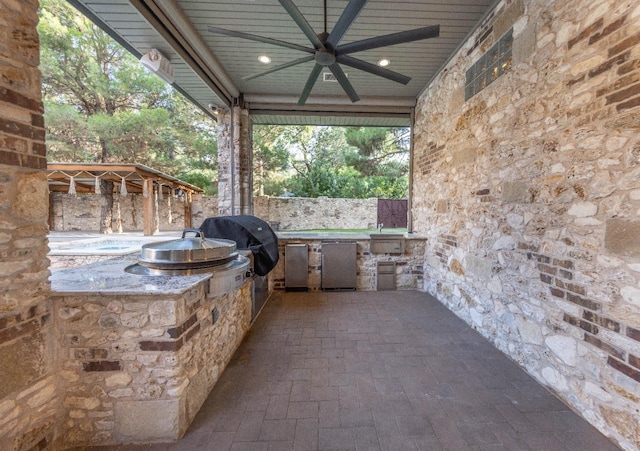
[188,252]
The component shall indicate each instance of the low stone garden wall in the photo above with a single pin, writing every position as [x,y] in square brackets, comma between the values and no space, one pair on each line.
[71,212]
[300,213]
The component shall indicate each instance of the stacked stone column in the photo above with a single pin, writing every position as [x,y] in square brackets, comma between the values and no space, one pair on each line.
[28,389]
[235,167]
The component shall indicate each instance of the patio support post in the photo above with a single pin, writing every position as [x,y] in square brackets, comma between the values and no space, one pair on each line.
[246,163]
[31,390]
[148,210]
[235,179]
[188,210]
[411,153]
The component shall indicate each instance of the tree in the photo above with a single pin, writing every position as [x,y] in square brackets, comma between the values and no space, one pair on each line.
[68,135]
[338,162]
[381,151]
[316,158]
[270,156]
[82,67]
[101,105]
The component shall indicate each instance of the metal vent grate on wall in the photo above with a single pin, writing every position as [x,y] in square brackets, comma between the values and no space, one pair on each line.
[328,76]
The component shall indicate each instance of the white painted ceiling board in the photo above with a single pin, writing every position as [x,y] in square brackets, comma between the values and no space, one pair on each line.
[238,57]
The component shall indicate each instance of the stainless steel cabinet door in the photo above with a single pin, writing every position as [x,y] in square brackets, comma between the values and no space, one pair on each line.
[339,269]
[296,266]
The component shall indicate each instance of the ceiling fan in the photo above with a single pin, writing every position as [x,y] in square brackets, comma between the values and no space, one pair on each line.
[327,52]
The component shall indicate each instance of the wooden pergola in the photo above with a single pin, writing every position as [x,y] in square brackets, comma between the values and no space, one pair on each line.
[78,178]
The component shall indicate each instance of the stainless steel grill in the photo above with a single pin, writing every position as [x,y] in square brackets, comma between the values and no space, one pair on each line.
[195,255]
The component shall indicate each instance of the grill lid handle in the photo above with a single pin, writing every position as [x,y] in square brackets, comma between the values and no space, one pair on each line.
[196,231]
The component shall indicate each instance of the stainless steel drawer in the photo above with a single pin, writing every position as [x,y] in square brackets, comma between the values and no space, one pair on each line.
[386,243]
[386,279]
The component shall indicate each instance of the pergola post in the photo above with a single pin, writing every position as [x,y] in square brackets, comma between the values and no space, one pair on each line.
[187,210]
[148,210]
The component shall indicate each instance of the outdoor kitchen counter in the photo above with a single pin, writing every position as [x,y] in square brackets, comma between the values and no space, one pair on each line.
[108,277]
[340,236]
[140,354]
[408,264]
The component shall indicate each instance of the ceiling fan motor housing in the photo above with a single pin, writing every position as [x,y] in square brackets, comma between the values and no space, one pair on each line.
[325,57]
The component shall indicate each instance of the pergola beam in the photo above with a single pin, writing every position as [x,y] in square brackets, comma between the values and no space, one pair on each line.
[138,179]
[115,172]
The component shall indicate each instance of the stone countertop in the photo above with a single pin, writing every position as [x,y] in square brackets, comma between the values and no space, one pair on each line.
[340,236]
[108,277]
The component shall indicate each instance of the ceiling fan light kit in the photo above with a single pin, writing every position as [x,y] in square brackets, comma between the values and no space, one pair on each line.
[327,52]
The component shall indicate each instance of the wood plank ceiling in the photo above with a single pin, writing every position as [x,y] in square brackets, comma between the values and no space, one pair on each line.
[209,68]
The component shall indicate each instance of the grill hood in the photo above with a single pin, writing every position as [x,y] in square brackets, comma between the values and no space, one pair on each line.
[249,232]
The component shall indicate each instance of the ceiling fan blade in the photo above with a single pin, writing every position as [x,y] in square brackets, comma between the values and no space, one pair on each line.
[416,34]
[253,37]
[336,70]
[373,69]
[313,76]
[302,23]
[344,22]
[280,67]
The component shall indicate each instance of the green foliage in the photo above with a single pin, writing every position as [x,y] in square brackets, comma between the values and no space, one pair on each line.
[270,157]
[378,151]
[270,144]
[133,136]
[200,179]
[339,162]
[68,136]
[82,66]
[368,140]
[101,105]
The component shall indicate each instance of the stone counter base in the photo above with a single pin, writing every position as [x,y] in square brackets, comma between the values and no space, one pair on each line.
[136,369]
[408,268]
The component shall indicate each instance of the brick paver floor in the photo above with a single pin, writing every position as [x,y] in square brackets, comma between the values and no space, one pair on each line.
[389,371]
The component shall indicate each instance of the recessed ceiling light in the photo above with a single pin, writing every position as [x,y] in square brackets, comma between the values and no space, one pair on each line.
[264,59]
[384,62]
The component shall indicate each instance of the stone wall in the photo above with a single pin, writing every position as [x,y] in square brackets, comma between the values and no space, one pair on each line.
[203,207]
[298,213]
[28,401]
[408,268]
[529,193]
[82,212]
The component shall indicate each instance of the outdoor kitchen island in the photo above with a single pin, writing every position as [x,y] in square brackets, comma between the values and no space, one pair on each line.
[406,260]
[139,354]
